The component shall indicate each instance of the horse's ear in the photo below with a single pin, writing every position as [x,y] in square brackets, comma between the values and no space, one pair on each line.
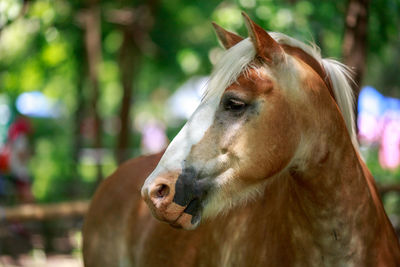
[266,47]
[227,38]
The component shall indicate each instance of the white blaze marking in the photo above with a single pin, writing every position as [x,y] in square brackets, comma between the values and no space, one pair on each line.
[226,72]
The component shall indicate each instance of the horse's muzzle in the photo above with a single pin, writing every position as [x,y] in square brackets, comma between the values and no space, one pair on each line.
[171,199]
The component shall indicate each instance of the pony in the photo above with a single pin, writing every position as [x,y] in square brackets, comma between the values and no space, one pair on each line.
[266,172]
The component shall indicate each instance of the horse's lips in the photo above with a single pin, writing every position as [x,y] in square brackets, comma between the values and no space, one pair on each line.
[190,216]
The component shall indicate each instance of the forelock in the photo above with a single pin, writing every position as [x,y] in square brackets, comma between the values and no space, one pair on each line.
[233,62]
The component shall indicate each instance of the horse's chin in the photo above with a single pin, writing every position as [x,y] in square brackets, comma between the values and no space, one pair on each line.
[186,221]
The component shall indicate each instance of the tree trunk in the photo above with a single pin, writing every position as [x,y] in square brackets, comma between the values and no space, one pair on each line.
[128,60]
[93,51]
[78,119]
[355,41]
[135,24]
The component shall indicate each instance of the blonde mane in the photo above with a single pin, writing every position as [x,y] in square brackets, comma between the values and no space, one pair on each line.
[238,59]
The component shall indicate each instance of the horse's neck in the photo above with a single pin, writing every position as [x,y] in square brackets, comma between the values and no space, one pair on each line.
[331,206]
[334,197]
[327,215]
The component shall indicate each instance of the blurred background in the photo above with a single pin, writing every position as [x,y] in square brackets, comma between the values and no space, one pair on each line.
[87,84]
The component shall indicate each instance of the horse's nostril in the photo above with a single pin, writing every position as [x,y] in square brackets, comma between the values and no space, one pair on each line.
[162,190]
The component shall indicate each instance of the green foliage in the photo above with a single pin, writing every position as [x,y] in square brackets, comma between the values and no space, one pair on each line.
[51,166]
[382,176]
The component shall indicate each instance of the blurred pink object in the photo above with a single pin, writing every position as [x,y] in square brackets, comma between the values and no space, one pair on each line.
[154,138]
[379,123]
[389,152]
[369,128]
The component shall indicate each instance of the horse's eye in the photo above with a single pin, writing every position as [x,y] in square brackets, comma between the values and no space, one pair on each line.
[234,105]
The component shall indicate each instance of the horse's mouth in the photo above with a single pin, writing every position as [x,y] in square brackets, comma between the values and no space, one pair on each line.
[190,217]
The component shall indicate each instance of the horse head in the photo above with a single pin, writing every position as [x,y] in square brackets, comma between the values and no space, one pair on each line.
[255,121]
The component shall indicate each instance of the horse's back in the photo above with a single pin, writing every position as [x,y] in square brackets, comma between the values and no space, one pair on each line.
[107,223]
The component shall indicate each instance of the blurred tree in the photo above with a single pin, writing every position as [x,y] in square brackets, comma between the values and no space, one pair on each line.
[355,41]
[129,58]
[135,24]
[90,20]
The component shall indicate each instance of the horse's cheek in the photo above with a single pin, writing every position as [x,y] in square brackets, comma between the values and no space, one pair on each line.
[276,151]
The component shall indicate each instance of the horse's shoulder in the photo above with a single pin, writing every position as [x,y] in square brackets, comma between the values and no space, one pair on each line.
[116,198]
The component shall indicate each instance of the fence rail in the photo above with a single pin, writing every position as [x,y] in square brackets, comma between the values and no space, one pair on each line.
[37,212]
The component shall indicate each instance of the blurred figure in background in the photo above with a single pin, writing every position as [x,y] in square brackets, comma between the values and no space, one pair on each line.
[19,156]
[4,171]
